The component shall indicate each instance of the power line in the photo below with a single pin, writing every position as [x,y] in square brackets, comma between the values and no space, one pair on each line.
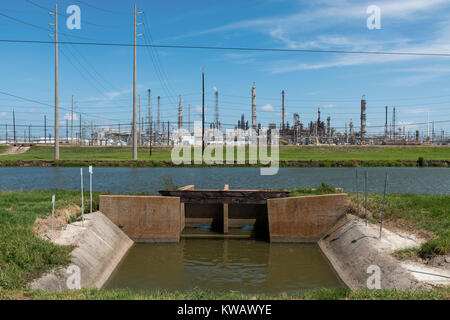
[231,48]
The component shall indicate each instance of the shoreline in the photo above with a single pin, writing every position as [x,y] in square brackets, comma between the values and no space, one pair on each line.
[169,164]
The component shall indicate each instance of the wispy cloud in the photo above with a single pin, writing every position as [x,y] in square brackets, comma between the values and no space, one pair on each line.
[267,107]
[68,117]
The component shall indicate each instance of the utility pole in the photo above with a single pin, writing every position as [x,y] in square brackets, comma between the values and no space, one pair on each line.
[29,133]
[72,122]
[67,131]
[56,85]
[135,151]
[6,135]
[168,133]
[203,112]
[282,109]
[45,129]
[14,125]
[80,131]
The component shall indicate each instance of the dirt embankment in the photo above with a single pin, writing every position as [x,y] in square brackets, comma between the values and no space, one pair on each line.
[15,150]
[42,226]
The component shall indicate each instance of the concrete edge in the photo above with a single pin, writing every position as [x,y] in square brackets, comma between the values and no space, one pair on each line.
[351,248]
[100,247]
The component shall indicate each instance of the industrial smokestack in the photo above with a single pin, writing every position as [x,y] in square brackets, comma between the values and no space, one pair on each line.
[254,107]
[180,115]
[282,110]
[393,122]
[386,132]
[217,107]
[329,126]
[363,117]
[158,118]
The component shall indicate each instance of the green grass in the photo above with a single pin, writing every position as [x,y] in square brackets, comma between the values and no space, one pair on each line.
[287,153]
[3,148]
[23,255]
[323,188]
[422,212]
[197,294]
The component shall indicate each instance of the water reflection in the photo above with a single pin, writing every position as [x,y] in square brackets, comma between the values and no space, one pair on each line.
[248,266]
[140,180]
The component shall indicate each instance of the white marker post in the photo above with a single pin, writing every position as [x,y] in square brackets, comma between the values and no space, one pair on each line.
[53,213]
[90,183]
[82,197]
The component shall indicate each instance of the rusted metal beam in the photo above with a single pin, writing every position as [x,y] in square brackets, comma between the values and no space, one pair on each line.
[225,196]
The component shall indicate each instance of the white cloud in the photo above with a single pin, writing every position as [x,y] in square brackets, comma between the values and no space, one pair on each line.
[267,107]
[3,114]
[198,109]
[68,116]
[330,106]
[415,111]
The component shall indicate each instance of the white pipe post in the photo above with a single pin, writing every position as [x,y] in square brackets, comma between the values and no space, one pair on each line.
[384,200]
[357,190]
[53,213]
[90,184]
[82,197]
[366,177]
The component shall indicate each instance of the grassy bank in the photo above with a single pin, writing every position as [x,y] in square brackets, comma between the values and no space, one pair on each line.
[197,294]
[169,164]
[290,156]
[427,215]
[23,255]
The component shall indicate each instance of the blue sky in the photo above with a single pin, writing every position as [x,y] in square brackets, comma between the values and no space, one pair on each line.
[101,77]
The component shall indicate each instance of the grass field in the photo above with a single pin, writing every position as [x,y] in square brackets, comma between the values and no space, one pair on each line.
[197,294]
[3,149]
[23,255]
[287,153]
[418,212]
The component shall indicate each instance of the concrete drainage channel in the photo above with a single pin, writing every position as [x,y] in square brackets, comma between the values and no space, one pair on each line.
[353,249]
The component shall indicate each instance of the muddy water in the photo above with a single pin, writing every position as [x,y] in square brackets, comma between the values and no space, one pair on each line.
[249,266]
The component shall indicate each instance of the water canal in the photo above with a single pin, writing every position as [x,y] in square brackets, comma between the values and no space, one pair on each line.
[148,180]
[248,266]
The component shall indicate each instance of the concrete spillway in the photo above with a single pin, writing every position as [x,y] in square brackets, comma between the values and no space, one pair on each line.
[274,215]
[351,247]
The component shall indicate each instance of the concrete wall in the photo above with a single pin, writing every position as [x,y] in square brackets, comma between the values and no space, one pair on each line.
[144,218]
[352,247]
[100,246]
[304,219]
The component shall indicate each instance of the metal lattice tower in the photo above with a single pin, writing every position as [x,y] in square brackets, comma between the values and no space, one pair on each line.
[254,107]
